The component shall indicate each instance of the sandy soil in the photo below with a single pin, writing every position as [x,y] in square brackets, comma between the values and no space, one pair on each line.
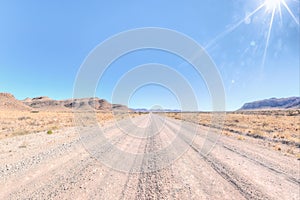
[15,122]
[275,129]
[58,166]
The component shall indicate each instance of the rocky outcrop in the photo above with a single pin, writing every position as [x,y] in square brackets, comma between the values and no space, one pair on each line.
[46,103]
[9,102]
[273,103]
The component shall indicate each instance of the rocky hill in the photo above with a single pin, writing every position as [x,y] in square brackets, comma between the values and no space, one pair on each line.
[273,103]
[45,103]
[9,102]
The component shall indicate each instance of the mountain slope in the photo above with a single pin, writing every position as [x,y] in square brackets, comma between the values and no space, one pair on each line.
[45,103]
[9,102]
[273,103]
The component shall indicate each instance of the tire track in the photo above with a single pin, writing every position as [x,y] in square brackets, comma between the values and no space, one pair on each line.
[128,191]
[79,175]
[152,180]
[109,174]
[246,188]
[73,175]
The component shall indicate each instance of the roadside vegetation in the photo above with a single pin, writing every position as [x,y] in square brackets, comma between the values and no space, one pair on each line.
[277,129]
[14,123]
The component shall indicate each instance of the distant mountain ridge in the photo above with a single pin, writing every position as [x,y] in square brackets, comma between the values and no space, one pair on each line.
[9,102]
[45,103]
[273,103]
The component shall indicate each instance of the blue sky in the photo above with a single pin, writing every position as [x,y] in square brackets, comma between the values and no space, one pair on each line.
[43,44]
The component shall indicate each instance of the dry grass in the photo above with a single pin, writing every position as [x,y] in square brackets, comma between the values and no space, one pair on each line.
[279,127]
[23,122]
[13,123]
[239,137]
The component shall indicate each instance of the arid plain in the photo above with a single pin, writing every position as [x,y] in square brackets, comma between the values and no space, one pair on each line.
[45,155]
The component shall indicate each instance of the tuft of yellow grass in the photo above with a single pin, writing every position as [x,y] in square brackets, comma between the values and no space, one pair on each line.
[239,137]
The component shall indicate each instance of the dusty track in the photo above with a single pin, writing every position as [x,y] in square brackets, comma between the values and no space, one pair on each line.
[59,167]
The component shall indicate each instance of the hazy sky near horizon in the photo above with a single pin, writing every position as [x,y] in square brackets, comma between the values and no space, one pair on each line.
[43,44]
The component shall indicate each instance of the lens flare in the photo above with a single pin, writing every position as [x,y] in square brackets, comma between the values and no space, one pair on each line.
[273,4]
[272,9]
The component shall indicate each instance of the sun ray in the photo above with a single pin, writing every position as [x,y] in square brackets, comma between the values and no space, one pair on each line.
[268,37]
[275,5]
[290,12]
[272,7]
[280,14]
[233,27]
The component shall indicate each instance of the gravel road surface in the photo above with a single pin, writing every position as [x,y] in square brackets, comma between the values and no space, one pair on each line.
[146,157]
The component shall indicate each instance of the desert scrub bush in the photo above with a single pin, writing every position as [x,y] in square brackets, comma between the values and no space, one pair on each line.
[49,132]
[239,137]
[257,134]
[226,133]
[177,116]
[23,118]
[277,147]
[264,124]
[290,151]
[19,132]
[23,145]
[293,112]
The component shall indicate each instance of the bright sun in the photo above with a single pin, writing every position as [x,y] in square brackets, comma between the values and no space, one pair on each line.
[272,4]
[273,8]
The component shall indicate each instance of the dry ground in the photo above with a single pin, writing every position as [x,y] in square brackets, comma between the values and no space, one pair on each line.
[58,166]
[68,163]
[276,129]
[13,123]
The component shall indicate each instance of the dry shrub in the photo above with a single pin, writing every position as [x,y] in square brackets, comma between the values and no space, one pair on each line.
[239,137]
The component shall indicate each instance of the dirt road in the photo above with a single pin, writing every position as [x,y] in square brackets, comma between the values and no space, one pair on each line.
[147,157]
